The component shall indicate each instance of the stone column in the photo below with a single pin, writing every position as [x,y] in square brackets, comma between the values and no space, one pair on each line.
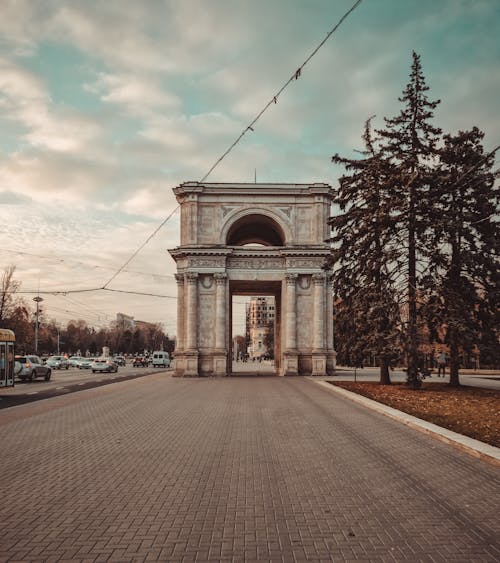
[291,312]
[181,327]
[191,342]
[319,348]
[291,358]
[318,312]
[220,352]
[179,278]
[330,343]
[192,311]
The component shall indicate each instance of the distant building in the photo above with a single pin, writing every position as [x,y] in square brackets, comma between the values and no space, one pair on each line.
[124,321]
[260,326]
[127,322]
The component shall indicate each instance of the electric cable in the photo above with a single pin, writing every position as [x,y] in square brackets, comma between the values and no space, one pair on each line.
[295,76]
[273,100]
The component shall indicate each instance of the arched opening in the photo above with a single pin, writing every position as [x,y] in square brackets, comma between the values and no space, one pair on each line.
[255,229]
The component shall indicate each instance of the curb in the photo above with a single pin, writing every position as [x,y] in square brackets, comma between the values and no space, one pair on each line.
[471,446]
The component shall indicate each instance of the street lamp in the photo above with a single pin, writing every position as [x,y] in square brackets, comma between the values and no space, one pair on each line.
[37,300]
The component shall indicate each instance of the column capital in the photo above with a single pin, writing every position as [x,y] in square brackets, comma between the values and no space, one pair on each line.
[220,278]
[290,278]
[318,278]
[179,278]
[192,277]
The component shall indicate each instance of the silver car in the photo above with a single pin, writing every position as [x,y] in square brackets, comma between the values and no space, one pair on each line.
[104,365]
[28,367]
[57,362]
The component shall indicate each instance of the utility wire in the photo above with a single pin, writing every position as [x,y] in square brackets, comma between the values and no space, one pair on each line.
[85,264]
[295,76]
[273,100]
[140,248]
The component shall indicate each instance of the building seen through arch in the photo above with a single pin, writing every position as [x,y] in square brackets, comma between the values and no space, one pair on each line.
[258,240]
[260,327]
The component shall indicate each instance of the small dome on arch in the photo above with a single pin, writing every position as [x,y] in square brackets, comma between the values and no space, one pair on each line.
[255,229]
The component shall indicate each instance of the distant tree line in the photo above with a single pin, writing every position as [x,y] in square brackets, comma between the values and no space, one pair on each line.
[415,243]
[77,336]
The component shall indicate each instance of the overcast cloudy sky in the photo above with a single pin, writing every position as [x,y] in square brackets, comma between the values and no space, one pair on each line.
[106,106]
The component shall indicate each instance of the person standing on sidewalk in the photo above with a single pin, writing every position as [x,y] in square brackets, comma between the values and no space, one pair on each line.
[441,361]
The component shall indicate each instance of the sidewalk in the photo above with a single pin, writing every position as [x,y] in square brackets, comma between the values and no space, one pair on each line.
[266,469]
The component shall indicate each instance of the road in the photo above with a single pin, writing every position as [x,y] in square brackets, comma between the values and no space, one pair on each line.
[235,469]
[66,381]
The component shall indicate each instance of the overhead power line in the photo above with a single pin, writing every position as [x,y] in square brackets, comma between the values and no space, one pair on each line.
[274,100]
[295,76]
[250,127]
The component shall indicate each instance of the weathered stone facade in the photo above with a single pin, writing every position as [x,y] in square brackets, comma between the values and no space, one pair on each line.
[220,223]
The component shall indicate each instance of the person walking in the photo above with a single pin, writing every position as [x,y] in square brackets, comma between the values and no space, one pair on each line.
[441,361]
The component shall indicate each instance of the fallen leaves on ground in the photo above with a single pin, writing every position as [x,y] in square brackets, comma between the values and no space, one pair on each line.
[469,411]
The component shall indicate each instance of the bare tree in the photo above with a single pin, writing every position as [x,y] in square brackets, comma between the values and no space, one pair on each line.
[8,288]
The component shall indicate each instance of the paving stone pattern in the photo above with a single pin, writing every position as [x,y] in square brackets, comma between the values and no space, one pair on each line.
[235,469]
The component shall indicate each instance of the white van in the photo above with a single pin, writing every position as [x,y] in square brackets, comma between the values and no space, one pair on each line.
[161,359]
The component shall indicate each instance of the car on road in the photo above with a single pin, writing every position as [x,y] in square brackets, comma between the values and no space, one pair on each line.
[74,361]
[119,360]
[85,363]
[57,362]
[140,362]
[103,365]
[26,368]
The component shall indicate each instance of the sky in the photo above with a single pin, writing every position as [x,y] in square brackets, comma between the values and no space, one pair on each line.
[107,106]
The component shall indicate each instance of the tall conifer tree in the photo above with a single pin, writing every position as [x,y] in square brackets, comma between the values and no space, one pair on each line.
[363,257]
[463,281]
[409,142]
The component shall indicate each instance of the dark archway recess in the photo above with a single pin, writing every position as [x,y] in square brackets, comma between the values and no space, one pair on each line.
[255,229]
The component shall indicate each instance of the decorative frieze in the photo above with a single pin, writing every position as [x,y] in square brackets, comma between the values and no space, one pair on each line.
[207,261]
[256,263]
[305,263]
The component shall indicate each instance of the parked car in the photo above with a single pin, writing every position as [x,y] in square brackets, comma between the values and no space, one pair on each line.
[57,362]
[161,359]
[104,365]
[119,360]
[28,367]
[85,363]
[140,362]
[74,361]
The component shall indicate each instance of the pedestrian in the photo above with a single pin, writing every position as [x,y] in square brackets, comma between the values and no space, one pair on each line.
[441,361]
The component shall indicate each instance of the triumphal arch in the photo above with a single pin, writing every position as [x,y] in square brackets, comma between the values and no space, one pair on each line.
[253,239]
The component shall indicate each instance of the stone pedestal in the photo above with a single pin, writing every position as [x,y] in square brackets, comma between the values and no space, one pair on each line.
[190,361]
[290,363]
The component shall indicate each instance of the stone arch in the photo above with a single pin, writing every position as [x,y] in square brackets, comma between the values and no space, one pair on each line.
[255,225]
[214,265]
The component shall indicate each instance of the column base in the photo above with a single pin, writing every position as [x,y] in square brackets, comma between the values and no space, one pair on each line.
[220,364]
[186,364]
[318,363]
[290,363]
[331,362]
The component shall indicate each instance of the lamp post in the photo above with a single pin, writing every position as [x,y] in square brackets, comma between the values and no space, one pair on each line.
[37,300]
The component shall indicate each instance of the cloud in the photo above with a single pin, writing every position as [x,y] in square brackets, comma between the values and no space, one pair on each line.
[13,198]
[137,94]
[27,101]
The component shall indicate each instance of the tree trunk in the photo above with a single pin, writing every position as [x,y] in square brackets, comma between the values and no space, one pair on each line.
[412,374]
[454,358]
[453,305]
[385,376]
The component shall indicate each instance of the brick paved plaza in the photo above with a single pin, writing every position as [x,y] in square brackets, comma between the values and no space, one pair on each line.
[235,469]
